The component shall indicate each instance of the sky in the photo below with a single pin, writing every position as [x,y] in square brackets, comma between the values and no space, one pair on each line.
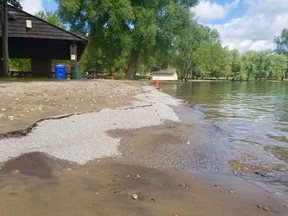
[243,24]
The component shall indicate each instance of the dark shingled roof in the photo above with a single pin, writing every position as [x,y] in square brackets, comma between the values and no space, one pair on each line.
[42,41]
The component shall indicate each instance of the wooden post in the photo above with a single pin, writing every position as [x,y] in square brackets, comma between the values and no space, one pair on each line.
[73,55]
[4,27]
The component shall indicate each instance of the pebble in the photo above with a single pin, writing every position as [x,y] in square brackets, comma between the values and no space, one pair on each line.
[217,186]
[40,108]
[17,171]
[69,169]
[11,118]
[182,185]
[128,176]
[231,191]
[3,109]
[265,208]
[137,176]
[286,205]
[2,115]
[135,197]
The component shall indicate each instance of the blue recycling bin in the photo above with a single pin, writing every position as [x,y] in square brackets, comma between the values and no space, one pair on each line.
[60,71]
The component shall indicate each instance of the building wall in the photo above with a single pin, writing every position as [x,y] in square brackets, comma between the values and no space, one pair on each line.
[165,77]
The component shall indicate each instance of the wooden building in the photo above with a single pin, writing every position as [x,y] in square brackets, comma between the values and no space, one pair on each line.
[33,38]
[169,74]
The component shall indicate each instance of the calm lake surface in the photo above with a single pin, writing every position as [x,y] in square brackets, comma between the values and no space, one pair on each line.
[255,117]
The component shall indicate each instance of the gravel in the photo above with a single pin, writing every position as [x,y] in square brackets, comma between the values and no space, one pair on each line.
[83,137]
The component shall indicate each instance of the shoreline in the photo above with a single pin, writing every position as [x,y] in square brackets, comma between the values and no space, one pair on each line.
[160,191]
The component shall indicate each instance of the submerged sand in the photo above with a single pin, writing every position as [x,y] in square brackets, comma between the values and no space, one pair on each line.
[48,184]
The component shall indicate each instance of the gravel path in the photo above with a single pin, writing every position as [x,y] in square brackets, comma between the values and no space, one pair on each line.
[81,138]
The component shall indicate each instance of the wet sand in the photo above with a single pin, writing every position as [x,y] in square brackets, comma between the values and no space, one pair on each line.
[107,188]
[38,184]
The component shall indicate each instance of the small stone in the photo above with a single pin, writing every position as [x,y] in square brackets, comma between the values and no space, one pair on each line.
[17,171]
[17,99]
[40,108]
[137,176]
[76,107]
[259,206]
[188,142]
[3,109]
[182,185]
[2,115]
[153,199]
[266,208]
[135,197]
[286,205]
[231,191]
[217,186]
[97,193]
[11,118]
[128,176]
[69,169]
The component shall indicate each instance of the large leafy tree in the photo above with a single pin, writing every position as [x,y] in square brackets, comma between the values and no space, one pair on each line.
[236,65]
[127,32]
[4,29]
[189,40]
[212,60]
[249,65]
[282,42]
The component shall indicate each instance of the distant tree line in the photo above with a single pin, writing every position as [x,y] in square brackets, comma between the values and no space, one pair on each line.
[211,60]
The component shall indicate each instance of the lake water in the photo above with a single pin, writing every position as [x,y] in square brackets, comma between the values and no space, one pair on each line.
[255,117]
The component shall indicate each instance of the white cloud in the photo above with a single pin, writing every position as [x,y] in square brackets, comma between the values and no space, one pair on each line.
[257,28]
[32,6]
[207,10]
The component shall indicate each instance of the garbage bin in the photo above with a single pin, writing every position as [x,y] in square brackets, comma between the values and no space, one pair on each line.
[60,71]
[76,73]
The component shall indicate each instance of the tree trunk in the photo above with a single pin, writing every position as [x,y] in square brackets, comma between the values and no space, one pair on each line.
[4,27]
[133,65]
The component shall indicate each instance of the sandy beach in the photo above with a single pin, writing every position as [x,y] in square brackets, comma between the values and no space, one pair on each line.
[105,147]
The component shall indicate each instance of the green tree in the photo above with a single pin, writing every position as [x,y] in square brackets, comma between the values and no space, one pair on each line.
[236,65]
[249,65]
[279,66]
[127,32]
[212,60]
[282,42]
[51,17]
[189,40]
[20,64]
[282,45]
